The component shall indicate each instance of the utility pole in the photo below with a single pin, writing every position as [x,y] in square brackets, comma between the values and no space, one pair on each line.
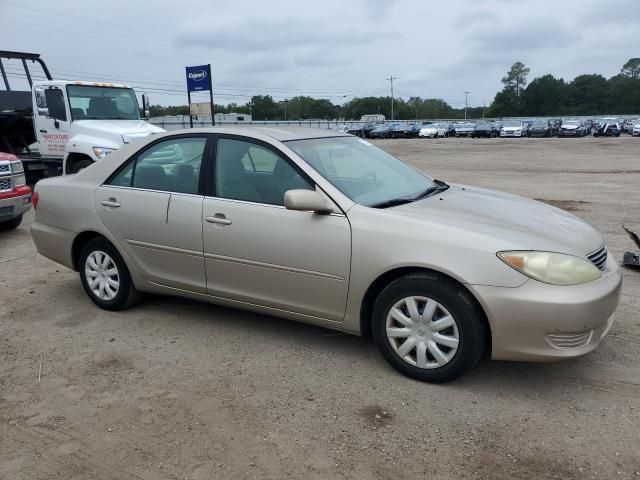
[484,106]
[466,102]
[391,79]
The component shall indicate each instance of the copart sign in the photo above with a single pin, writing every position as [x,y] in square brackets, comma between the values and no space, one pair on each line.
[198,78]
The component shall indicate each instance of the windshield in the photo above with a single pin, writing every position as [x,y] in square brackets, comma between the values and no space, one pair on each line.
[364,173]
[571,122]
[512,124]
[539,123]
[102,103]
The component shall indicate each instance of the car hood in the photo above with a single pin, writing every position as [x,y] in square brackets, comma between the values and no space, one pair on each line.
[514,222]
[512,128]
[570,127]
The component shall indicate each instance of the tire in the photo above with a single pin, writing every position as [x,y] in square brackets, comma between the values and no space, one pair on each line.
[125,294]
[11,224]
[82,164]
[451,300]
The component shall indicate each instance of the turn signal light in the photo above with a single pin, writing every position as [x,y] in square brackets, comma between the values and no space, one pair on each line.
[34,199]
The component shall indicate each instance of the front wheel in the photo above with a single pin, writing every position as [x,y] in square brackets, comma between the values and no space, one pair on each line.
[81,165]
[428,328]
[105,276]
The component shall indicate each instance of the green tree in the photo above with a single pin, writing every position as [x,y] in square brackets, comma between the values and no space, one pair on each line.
[631,68]
[545,95]
[588,95]
[507,101]
[623,95]
[515,80]
[265,108]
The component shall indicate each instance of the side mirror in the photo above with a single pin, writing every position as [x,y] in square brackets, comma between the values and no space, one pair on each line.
[146,106]
[306,201]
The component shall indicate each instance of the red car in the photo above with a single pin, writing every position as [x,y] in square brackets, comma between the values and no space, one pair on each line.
[15,195]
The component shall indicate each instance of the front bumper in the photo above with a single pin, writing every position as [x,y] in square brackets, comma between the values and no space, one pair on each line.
[14,206]
[541,322]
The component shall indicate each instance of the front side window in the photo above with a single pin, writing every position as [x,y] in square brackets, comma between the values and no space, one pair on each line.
[364,173]
[250,172]
[102,103]
[55,101]
[170,166]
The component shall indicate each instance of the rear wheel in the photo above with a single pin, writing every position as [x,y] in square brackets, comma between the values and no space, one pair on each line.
[105,276]
[428,328]
[11,224]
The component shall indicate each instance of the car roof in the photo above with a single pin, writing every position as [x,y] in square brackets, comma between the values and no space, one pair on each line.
[282,133]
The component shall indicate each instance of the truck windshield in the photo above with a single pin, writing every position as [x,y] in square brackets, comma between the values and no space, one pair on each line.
[102,103]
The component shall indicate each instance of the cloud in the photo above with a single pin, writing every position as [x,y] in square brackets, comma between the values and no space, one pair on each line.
[260,35]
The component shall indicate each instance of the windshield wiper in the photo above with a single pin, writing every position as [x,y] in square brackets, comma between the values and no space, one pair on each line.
[439,186]
[392,203]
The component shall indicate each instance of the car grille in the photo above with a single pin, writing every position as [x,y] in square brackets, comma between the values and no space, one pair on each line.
[569,340]
[5,184]
[5,168]
[599,257]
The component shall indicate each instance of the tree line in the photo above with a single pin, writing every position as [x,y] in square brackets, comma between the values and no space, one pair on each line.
[590,94]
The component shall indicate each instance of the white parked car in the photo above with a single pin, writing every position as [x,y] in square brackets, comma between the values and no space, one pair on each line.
[433,130]
[514,129]
[636,129]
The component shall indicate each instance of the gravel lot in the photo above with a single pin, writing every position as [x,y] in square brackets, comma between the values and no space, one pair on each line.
[175,389]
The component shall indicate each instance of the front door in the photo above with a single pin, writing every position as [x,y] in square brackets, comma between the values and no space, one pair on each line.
[51,120]
[153,206]
[258,252]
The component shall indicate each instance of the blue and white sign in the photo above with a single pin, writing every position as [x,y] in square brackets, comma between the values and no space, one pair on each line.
[198,78]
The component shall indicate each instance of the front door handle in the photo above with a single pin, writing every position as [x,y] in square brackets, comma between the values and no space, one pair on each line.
[110,203]
[218,218]
[42,130]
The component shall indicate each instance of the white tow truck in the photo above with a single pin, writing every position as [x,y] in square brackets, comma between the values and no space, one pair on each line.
[74,123]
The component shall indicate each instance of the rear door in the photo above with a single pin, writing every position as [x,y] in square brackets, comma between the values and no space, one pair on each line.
[153,206]
[256,251]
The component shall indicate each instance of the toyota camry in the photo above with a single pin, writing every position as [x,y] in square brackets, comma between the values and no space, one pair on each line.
[325,228]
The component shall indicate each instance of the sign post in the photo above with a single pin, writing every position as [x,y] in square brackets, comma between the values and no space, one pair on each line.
[199,80]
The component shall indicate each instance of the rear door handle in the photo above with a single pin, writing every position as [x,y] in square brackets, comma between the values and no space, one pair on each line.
[110,203]
[218,218]
[42,130]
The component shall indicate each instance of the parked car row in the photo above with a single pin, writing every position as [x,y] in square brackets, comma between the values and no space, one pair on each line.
[490,129]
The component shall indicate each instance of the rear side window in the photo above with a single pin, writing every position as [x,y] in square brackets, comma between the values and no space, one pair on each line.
[169,166]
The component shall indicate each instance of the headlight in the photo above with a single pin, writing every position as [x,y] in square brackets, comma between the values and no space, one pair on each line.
[20,180]
[102,152]
[17,167]
[553,268]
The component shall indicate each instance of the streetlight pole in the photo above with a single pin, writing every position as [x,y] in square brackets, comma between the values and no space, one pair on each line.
[391,79]
[466,102]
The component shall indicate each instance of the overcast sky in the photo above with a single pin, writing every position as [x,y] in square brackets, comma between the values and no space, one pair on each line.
[328,49]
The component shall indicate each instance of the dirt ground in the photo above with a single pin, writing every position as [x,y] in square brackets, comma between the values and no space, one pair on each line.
[175,389]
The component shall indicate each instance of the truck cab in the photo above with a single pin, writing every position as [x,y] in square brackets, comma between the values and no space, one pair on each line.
[74,123]
[82,122]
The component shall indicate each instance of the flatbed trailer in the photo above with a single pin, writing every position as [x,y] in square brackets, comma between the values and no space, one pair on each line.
[17,131]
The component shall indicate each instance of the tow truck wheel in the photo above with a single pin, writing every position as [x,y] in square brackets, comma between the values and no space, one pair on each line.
[80,165]
[11,224]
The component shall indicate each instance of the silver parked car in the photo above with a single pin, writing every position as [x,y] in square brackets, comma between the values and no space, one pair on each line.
[325,228]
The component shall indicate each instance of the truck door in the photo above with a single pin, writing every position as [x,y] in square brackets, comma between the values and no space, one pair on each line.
[51,120]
